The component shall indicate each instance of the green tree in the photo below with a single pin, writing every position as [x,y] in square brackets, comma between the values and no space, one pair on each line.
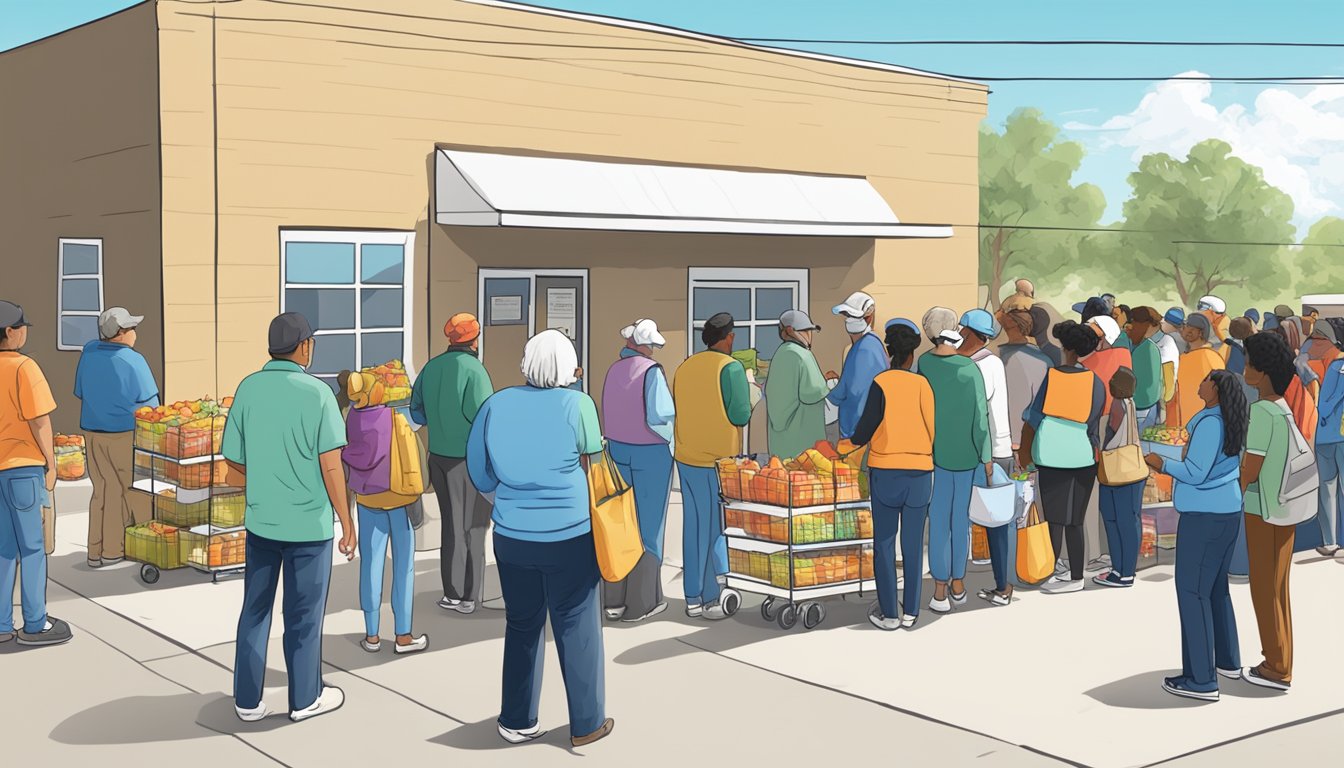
[1320,263]
[1194,226]
[1026,181]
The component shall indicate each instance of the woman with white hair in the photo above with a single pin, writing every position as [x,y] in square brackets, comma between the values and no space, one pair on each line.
[530,447]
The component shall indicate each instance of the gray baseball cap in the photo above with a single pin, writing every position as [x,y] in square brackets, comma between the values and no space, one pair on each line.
[288,331]
[798,320]
[11,315]
[114,320]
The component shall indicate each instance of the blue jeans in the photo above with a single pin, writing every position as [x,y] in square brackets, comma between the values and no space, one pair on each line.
[306,569]
[648,470]
[950,523]
[900,505]
[704,552]
[1330,464]
[23,492]
[559,578]
[1241,561]
[376,527]
[1120,506]
[1204,544]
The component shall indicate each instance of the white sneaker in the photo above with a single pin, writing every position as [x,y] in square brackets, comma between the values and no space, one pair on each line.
[940,606]
[370,647]
[1057,586]
[415,646]
[461,606]
[613,614]
[1230,674]
[882,622]
[908,621]
[519,737]
[329,700]
[252,715]
[980,562]
[694,611]
[958,599]
[713,612]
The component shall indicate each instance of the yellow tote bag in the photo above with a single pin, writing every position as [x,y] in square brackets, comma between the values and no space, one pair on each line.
[1035,553]
[611,502]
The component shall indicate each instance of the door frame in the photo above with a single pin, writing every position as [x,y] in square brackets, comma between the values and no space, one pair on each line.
[531,276]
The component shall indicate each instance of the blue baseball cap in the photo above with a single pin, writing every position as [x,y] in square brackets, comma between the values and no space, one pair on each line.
[981,322]
[1175,316]
[902,321]
[1253,314]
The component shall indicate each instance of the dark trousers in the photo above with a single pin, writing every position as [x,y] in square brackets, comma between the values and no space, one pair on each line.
[900,506]
[1072,537]
[464,519]
[648,470]
[559,578]
[306,569]
[1001,553]
[1208,625]
[1120,506]
[1065,495]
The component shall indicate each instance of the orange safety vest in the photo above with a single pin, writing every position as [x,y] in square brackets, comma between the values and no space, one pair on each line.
[904,440]
[1068,396]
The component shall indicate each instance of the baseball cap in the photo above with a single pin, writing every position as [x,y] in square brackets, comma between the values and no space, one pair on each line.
[11,315]
[114,320]
[1175,316]
[1092,307]
[644,332]
[1283,310]
[1214,303]
[1110,330]
[981,322]
[288,331]
[1253,314]
[902,321]
[462,328]
[1201,323]
[1325,331]
[859,304]
[798,320]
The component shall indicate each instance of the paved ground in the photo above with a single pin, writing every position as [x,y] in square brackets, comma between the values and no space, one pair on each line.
[1048,681]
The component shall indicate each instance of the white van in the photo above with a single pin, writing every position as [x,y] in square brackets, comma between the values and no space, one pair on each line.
[1328,304]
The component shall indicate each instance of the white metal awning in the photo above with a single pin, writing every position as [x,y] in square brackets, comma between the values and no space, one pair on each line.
[483,189]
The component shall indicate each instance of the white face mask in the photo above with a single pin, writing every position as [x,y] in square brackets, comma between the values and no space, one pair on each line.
[856,325]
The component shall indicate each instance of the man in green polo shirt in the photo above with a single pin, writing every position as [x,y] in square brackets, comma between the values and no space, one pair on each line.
[283,437]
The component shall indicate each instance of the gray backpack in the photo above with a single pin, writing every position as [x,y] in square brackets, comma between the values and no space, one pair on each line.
[1298,495]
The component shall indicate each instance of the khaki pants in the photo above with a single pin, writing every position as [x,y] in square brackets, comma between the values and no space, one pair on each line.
[1270,551]
[114,507]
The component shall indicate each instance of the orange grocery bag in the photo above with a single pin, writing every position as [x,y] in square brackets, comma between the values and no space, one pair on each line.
[611,502]
[1035,554]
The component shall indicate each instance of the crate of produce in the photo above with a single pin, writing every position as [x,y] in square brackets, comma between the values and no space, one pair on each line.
[183,430]
[207,549]
[866,569]
[195,476]
[393,385]
[815,567]
[807,481]
[225,511]
[1147,539]
[155,543]
[1157,489]
[71,457]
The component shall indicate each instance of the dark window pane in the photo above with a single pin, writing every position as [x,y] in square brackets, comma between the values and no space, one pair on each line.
[78,330]
[327,309]
[79,259]
[379,348]
[742,339]
[333,353]
[767,341]
[381,263]
[80,296]
[773,302]
[699,345]
[319,262]
[380,308]
[711,301]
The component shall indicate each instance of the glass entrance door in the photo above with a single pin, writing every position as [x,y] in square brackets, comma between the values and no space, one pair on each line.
[515,305]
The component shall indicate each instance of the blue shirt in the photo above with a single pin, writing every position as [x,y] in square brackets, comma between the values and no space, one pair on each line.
[1331,407]
[524,447]
[865,361]
[112,381]
[658,409]
[1207,480]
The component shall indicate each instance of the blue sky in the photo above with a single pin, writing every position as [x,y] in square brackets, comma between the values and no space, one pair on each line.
[1295,132]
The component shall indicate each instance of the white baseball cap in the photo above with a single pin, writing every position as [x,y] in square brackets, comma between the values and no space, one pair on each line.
[114,320]
[644,332]
[1214,303]
[859,304]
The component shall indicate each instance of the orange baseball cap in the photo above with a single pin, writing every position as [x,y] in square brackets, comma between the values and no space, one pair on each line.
[462,328]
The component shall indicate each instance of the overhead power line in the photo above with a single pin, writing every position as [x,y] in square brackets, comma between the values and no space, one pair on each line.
[1155,43]
[1119,231]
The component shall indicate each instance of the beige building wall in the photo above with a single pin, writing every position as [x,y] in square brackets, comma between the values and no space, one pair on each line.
[329,117]
[80,159]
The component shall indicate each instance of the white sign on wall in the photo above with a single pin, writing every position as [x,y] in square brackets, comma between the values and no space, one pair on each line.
[506,309]
[562,310]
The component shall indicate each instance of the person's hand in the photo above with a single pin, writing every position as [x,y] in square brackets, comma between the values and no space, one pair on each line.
[578,374]
[1154,461]
[51,479]
[349,542]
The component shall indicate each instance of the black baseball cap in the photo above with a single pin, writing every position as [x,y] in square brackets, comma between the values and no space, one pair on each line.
[11,316]
[288,331]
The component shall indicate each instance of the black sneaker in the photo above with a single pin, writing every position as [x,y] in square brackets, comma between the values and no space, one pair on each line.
[56,633]
[1251,675]
[1179,686]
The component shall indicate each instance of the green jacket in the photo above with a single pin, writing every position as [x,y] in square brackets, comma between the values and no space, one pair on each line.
[1147,362]
[960,412]
[795,394]
[446,396]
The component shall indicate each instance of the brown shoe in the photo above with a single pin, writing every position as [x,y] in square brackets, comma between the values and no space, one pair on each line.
[599,734]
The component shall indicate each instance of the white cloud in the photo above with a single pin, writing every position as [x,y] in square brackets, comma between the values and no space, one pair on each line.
[1296,136]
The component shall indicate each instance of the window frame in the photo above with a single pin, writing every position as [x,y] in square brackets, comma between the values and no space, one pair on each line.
[359,238]
[61,278]
[742,277]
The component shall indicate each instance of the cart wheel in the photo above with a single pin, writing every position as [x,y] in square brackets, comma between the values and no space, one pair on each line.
[788,616]
[149,574]
[813,614]
[730,600]
[768,609]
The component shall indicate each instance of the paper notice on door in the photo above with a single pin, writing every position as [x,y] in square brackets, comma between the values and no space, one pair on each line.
[506,310]
[562,310]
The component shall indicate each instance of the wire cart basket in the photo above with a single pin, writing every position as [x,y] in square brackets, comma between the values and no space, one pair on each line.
[796,535]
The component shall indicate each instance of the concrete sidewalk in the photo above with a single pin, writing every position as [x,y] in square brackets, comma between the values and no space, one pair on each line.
[1051,680]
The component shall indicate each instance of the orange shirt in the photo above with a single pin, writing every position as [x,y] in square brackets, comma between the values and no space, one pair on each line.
[24,396]
[1196,365]
[904,440]
[1105,363]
